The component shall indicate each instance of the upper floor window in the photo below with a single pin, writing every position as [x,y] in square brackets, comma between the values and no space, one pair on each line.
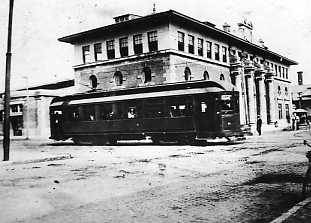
[138,43]
[181,41]
[147,74]
[276,69]
[200,47]
[286,73]
[187,73]
[86,54]
[208,49]
[280,72]
[216,51]
[190,44]
[110,49]
[153,41]
[224,54]
[118,78]
[222,77]
[283,72]
[279,90]
[98,52]
[124,50]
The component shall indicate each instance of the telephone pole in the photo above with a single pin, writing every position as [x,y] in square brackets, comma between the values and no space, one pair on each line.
[6,124]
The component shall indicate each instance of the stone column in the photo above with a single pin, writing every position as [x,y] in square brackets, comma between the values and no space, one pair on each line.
[237,80]
[249,76]
[271,100]
[262,96]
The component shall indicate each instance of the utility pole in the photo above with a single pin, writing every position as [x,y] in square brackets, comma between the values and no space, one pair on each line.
[26,111]
[6,124]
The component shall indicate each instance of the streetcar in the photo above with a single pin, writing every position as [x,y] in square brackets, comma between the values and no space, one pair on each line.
[183,112]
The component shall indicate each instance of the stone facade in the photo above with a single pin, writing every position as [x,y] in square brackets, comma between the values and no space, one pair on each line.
[29,109]
[186,50]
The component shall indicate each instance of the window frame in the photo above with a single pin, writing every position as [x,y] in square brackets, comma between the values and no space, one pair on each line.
[181,44]
[224,54]
[216,52]
[138,43]
[98,51]
[86,54]
[209,49]
[152,41]
[200,47]
[190,44]
[123,47]
[110,49]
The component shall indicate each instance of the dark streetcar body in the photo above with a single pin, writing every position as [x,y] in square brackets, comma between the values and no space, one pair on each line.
[183,112]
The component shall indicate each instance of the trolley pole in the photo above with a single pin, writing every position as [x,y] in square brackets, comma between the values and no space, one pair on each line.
[6,124]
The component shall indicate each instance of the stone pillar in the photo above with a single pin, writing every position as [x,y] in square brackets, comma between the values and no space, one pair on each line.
[262,96]
[249,76]
[237,77]
[271,100]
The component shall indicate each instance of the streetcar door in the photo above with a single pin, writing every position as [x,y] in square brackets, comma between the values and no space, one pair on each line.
[206,121]
[57,120]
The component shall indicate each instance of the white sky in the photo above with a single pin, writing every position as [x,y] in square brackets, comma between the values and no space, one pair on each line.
[284,25]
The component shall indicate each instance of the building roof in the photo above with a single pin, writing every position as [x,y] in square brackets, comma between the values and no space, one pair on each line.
[176,17]
[303,91]
[52,86]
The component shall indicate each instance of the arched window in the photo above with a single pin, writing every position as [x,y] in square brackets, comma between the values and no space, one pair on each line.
[222,77]
[147,74]
[118,78]
[93,81]
[205,75]
[187,74]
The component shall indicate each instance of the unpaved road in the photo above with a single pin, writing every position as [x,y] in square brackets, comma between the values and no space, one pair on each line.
[254,181]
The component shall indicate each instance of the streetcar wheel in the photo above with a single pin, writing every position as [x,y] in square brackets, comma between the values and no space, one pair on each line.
[155,140]
[306,187]
[112,141]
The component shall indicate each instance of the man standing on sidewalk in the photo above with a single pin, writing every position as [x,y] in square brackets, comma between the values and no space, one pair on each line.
[259,124]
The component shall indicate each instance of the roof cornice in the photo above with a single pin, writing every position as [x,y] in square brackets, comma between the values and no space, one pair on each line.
[172,15]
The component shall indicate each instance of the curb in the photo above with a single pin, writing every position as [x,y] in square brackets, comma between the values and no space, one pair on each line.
[292,211]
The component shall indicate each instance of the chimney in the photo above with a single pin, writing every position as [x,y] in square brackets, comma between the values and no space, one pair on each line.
[246,30]
[300,80]
[226,27]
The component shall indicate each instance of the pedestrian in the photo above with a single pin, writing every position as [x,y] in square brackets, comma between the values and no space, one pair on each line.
[259,124]
[293,122]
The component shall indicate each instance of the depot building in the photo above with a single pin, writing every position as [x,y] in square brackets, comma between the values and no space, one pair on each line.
[169,47]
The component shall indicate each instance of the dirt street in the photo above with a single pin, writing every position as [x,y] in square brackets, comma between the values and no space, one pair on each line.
[253,181]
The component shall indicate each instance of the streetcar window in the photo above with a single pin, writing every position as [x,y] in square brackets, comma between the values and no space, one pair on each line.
[154,108]
[105,112]
[203,107]
[180,107]
[73,114]
[227,102]
[131,112]
[57,112]
[89,112]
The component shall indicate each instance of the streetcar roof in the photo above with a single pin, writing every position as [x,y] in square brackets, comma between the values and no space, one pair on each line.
[193,87]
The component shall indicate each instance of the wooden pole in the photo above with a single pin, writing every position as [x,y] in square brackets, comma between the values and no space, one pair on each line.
[6,124]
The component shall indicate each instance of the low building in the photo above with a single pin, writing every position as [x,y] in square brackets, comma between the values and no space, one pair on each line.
[302,95]
[169,47]
[29,109]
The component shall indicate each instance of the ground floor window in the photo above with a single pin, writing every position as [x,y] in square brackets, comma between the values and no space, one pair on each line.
[280,111]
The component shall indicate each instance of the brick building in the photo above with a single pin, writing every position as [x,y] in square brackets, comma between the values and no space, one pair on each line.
[170,47]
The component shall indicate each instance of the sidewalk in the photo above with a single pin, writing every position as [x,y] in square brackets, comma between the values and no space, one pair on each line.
[301,212]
